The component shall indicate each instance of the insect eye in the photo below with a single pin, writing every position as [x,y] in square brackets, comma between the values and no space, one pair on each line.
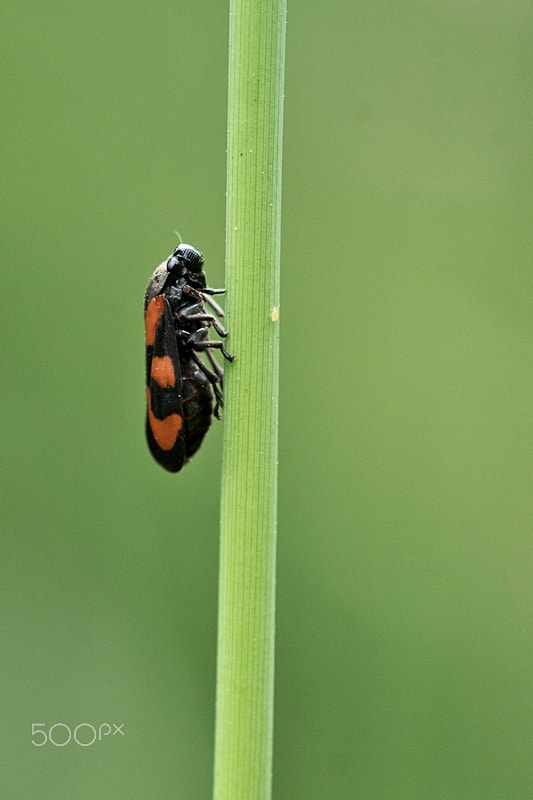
[172,263]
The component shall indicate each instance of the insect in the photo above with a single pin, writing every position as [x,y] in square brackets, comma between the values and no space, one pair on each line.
[179,385]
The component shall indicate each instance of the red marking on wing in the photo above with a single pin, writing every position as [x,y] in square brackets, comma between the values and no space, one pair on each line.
[154,312]
[163,372]
[165,431]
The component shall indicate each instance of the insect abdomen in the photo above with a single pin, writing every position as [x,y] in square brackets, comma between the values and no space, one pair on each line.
[197,405]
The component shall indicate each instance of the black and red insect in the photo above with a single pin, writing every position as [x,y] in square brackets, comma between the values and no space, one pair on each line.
[179,385]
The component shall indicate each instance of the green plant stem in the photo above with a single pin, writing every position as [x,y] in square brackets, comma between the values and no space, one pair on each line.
[245,664]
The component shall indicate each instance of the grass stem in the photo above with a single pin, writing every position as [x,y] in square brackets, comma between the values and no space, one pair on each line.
[245,661]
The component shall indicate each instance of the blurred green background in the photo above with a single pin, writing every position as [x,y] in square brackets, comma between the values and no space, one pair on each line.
[404,645]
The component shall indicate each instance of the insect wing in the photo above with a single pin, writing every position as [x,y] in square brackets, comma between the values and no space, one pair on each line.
[164,415]
[156,284]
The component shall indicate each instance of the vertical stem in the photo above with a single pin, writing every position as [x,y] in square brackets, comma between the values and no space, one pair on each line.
[245,668]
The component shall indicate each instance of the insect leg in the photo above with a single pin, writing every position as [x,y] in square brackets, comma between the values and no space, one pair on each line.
[199,341]
[215,306]
[197,312]
[214,380]
[214,363]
